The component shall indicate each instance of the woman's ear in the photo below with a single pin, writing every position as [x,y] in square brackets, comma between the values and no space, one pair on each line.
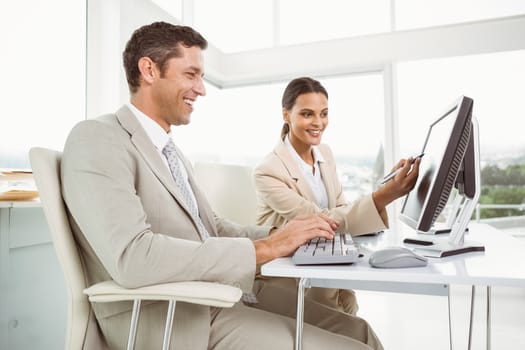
[148,69]
[286,116]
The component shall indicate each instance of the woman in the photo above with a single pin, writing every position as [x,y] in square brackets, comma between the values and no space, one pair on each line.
[299,177]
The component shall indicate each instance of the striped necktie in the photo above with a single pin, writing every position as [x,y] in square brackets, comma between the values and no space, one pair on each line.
[174,162]
[170,152]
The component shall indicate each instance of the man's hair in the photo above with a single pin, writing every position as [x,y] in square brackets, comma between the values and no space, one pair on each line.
[160,42]
[296,88]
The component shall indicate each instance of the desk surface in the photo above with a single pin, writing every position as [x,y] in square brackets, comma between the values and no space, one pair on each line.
[501,264]
[34,203]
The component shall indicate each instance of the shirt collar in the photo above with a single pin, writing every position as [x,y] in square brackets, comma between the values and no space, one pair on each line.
[155,132]
[318,156]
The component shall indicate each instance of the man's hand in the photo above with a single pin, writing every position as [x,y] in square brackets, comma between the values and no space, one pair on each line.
[285,240]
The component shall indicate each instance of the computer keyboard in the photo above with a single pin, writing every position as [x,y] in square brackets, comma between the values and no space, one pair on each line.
[340,250]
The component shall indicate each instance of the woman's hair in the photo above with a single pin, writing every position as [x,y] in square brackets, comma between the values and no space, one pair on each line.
[296,88]
[160,42]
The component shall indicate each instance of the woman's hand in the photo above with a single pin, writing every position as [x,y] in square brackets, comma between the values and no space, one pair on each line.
[400,185]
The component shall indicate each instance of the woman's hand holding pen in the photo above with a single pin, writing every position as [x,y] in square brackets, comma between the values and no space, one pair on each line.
[399,167]
[404,180]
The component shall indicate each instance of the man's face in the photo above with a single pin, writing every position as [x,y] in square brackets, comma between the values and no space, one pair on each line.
[175,92]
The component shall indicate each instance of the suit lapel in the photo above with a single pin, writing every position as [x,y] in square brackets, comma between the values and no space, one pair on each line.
[295,172]
[149,153]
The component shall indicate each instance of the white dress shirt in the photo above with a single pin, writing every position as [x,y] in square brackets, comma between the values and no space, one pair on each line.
[313,178]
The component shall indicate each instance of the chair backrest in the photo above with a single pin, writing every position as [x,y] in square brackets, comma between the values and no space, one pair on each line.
[45,164]
[230,189]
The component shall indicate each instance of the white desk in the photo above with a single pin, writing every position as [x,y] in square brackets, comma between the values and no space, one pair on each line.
[500,265]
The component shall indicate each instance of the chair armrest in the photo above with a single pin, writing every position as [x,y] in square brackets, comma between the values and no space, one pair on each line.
[196,292]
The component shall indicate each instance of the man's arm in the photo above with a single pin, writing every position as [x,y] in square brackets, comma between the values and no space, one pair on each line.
[136,229]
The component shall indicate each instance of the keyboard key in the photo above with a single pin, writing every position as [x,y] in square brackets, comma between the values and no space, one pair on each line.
[348,238]
[322,251]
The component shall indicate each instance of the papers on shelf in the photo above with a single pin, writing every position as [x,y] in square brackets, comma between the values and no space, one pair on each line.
[17,185]
[18,195]
[15,175]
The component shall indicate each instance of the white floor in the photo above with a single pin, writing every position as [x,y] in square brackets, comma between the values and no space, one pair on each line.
[410,322]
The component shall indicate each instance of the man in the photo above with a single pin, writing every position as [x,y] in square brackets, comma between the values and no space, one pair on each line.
[139,223]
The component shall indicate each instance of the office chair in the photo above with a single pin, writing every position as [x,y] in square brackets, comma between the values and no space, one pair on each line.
[46,171]
[230,189]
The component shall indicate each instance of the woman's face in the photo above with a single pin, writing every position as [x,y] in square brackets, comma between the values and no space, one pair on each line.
[307,119]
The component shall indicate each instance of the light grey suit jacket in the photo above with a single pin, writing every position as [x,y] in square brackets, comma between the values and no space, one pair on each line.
[284,193]
[132,226]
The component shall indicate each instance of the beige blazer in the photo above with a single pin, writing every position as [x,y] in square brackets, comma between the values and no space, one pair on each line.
[132,226]
[284,193]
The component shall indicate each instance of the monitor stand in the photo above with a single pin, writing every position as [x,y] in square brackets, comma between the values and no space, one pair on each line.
[443,248]
[437,230]
[429,241]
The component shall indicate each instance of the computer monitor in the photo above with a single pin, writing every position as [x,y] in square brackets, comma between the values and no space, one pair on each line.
[451,160]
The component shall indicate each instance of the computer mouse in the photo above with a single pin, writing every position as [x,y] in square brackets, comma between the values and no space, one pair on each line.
[396,257]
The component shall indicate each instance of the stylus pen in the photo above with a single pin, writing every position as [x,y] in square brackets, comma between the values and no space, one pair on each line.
[395,172]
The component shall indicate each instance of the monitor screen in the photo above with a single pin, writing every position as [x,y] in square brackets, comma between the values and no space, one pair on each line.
[445,146]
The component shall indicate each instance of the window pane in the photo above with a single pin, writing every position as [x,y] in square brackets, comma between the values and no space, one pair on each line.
[238,125]
[496,83]
[44,88]
[235,25]
[356,130]
[242,125]
[417,14]
[311,20]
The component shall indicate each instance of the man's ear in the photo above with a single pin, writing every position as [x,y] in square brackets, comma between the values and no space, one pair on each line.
[148,69]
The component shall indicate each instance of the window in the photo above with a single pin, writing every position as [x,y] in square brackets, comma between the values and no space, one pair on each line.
[43,93]
[356,130]
[496,83]
[237,125]
[241,125]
